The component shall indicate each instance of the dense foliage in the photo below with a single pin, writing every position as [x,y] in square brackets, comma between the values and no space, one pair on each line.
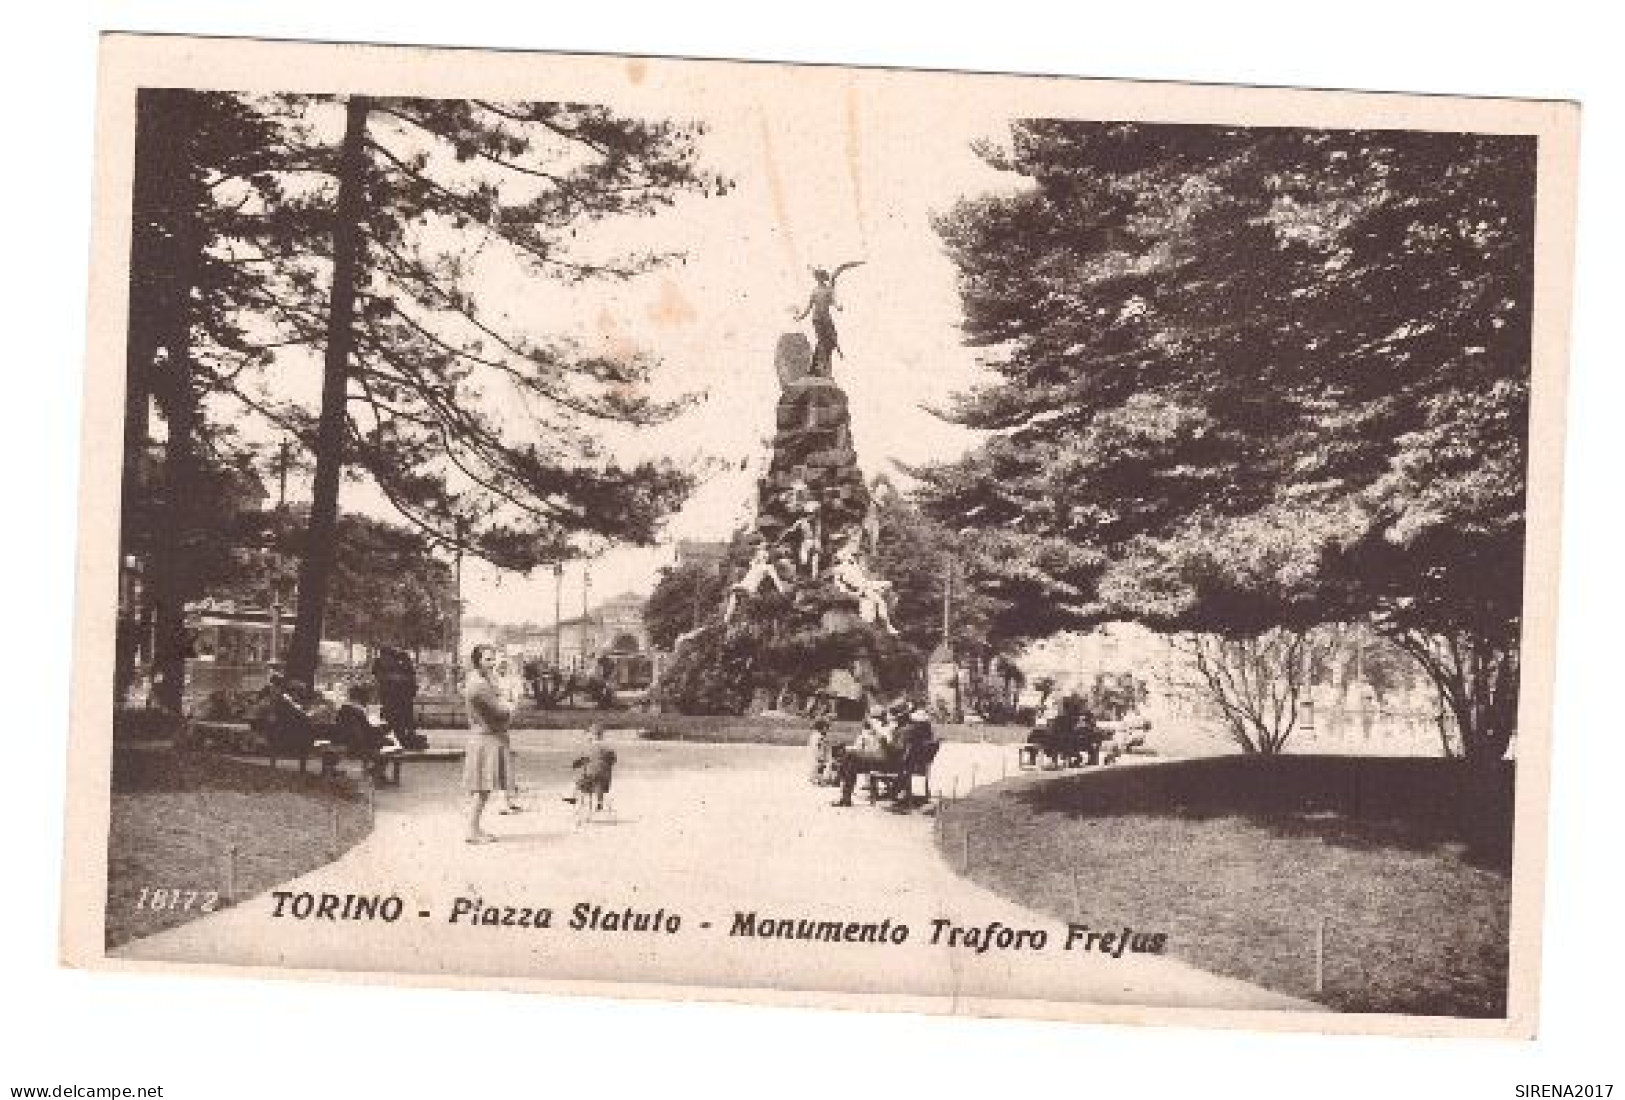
[1250,378]
[770,648]
[263,239]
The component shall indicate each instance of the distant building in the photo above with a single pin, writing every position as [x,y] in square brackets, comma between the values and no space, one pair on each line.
[1074,660]
[610,639]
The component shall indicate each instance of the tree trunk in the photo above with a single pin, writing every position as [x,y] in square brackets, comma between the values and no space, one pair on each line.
[316,566]
[175,527]
[1478,678]
[153,152]
[171,587]
[172,254]
[128,641]
[1492,703]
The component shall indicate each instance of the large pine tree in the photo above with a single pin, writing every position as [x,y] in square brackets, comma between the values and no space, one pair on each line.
[1252,377]
[399,240]
[204,174]
[422,386]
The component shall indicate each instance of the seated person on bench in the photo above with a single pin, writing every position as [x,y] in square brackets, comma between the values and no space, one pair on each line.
[284,719]
[1041,738]
[1090,735]
[1065,746]
[357,734]
[1036,745]
[875,750]
[919,746]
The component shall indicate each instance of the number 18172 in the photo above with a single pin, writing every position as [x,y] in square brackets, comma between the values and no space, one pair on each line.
[159,899]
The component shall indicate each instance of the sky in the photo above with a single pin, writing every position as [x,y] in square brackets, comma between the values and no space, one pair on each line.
[848,173]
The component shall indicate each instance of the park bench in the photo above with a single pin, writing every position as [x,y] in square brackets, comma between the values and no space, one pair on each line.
[440,712]
[1065,753]
[220,736]
[1117,738]
[243,740]
[386,770]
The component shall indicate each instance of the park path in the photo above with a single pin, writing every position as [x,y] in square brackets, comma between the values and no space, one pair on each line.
[703,831]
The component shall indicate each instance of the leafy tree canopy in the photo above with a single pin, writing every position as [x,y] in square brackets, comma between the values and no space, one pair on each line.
[1248,377]
[484,428]
[1226,354]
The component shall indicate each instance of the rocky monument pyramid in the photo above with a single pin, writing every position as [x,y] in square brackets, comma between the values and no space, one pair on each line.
[809,615]
[813,497]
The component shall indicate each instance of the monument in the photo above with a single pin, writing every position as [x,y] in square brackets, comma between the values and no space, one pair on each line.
[807,615]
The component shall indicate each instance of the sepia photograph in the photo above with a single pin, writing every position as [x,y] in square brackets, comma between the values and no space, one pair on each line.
[815,535]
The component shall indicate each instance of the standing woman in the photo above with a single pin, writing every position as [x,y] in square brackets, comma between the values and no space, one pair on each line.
[486,766]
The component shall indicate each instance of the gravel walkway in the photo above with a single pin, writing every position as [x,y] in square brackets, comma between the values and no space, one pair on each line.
[705,834]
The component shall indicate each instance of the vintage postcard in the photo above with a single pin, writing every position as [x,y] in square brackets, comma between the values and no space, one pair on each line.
[932,541]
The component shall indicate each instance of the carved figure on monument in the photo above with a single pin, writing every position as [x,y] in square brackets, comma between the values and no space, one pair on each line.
[819,304]
[796,496]
[761,569]
[873,594]
[868,532]
[806,535]
[867,535]
[689,635]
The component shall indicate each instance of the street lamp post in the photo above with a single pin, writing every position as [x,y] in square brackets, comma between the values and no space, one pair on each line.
[947,634]
[558,607]
[587,640]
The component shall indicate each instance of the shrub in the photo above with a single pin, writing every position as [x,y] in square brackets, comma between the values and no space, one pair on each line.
[147,724]
[227,705]
[710,675]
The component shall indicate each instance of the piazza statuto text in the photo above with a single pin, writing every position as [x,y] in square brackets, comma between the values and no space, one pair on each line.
[596,917]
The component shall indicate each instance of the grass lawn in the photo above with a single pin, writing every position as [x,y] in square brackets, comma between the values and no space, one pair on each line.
[175,814]
[1237,859]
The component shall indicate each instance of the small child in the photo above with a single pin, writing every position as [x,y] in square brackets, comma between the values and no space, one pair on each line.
[595,770]
[818,745]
